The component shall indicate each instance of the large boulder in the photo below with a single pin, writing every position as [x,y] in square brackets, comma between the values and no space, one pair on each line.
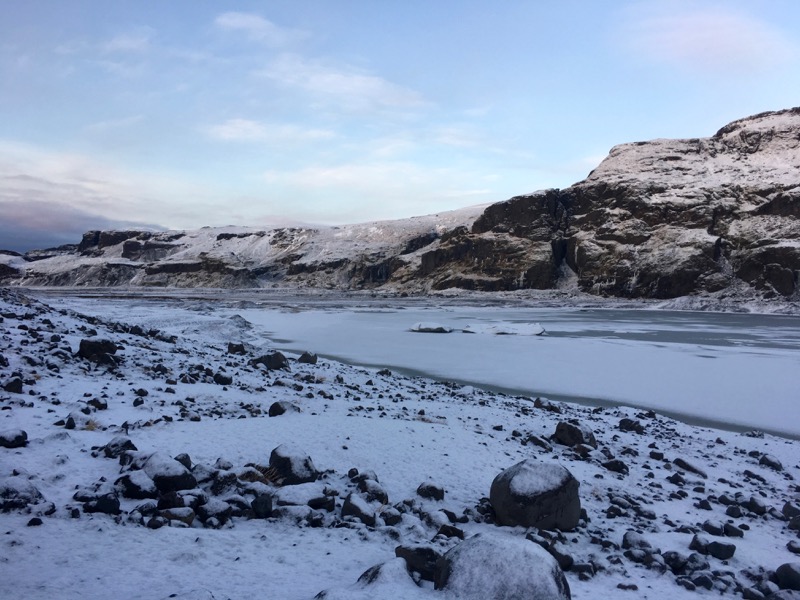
[97,350]
[535,494]
[17,493]
[13,438]
[572,434]
[168,474]
[292,465]
[500,567]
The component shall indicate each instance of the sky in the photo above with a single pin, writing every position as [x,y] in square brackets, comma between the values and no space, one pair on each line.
[193,113]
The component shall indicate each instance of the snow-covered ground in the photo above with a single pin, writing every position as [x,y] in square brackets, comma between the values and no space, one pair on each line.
[170,394]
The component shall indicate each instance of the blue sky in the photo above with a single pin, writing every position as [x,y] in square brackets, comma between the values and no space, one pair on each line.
[183,114]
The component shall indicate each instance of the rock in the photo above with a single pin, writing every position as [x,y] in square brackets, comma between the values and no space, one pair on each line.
[572,434]
[616,465]
[493,566]
[281,407]
[13,438]
[273,361]
[136,485]
[35,522]
[17,493]
[117,446]
[13,386]
[687,466]
[373,491]
[214,513]
[355,506]
[307,358]
[770,461]
[420,558]
[713,527]
[791,510]
[633,540]
[234,348]
[431,490]
[221,378]
[721,550]
[107,504]
[168,474]
[262,506]
[699,544]
[430,328]
[181,514]
[98,350]
[534,494]
[788,576]
[292,465]
[627,424]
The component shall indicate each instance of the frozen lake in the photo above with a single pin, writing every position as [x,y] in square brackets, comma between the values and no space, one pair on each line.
[734,370]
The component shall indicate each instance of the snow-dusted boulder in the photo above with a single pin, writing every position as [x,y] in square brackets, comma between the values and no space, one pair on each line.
[16,493]
[168,474]
[13,438]
[386,580]
[136,485]
[572,434]
[535,494]
[430,328]
[293,465]
[495,567]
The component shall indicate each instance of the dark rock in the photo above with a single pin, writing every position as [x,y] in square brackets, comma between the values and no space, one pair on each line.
[791,510]
[721,550]
[13,386]
[770,461]
[373,491]
[616,465]
[571,434]
[534,494]
[236,348]
[449,531]
[273,361]
[420,558]
[788,576]
[490,566]
[214,513]
[308,358]
[168,474]
[17,493]
[431,490]
[107,504]
[687,466]
[117,446]
[281,407]
[699,544]
[13,438]
[627,424]
[262,506]
[714,528]
[355,506]
[221,378]
[97,350]
[292,465]
[136,485]
[185,460]
[35,522]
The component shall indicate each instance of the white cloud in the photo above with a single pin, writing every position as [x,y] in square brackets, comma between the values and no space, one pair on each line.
[245,130]
[257,28]
[345,85]
[136,42]
[715,40]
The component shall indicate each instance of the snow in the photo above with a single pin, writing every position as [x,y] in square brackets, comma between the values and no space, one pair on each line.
[461,440]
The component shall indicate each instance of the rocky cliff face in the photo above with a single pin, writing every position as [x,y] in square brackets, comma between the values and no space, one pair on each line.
[656,219]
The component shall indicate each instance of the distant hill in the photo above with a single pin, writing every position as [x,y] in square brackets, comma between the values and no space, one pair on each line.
[657,219]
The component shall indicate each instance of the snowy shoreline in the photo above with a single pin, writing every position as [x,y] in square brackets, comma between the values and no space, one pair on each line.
[190,389]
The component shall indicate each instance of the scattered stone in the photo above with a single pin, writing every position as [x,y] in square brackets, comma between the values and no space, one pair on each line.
[168,474]
[355,506]
[770,461]
[616,465]
[273,361]
[687,466]
[136,485]
[498,566]
[17,493]
[107,504]
[721,550]
[117,446]
[788,576]
[633,425]
[234,348]
[292,465]
[35,522]
[431,490]
[420,558]
[572,434]
[281,407]
[13,438]
[535,494]
[13,386]
[221,378]
[98,350]
[307,358]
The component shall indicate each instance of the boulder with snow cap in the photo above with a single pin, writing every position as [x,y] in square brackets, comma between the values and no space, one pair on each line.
[168,474]
[500,567]
[13,438]
[535,494]
[572,434]
[292,465]
[17,493]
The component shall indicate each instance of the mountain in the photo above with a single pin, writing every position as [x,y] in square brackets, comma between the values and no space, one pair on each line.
[657,219]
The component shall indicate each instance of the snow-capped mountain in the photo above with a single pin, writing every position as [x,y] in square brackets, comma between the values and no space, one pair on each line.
[658,219]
